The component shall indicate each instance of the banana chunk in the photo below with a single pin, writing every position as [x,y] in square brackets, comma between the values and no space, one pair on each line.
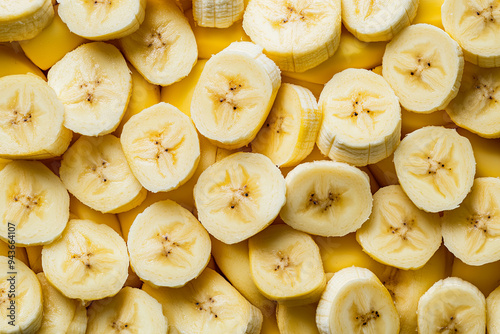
[493,312]
[24,19]
[217,14]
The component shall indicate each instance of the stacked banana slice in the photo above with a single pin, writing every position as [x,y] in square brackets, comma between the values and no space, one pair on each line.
[20,20]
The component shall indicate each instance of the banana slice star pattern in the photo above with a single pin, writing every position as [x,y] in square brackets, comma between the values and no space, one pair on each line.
[217,14]
[24,19]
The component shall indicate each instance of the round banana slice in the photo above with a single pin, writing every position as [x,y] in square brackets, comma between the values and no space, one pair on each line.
[239,196]
[94,84]
[208,305]
[493,312]
[355,301]
[234,95]
[424,67]
[217,14]
[286,265]
[398,233]
[31,119]
[452,305]
[297,35]
[34,205]
[361,118]
[436,168]
[161,146]
[88,262]
[475,25]
[327,198]
[24,19]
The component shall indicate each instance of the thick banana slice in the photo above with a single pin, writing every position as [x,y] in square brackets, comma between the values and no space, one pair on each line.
[493,312]
[286,265]
[296,34]
[355,301]
[94,84]
[424,67]
[31,119]
[327,198]
[290,130]
[436,167]
[234,95]
[88,262]
[452,305]
[130,311]
[376,20]
[161,146]
[217,14]
[24,19]
[164,49]
[297,319]
[208,305]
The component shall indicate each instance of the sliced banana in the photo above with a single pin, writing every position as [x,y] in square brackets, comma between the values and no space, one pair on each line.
[217,14]
[234,95]
[296,34]
[327,198]
[452,305]
[24,19]
[493,312]
[355,301]
[88,262]
[94,84]
[161,146]
[297,319]
[436,167]
[424,67]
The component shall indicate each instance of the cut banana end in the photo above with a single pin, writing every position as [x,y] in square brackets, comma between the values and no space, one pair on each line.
[24,19]
[217,14]
[424,67]
[355,301]
[452,305]
[493,312]
[234,95]
[435,167]
[361,118]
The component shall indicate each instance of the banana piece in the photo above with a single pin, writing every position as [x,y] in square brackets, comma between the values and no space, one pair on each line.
[94,84]
[217,14]
[239,196]
[24,19]
[161,146]
[452,305]
[88,262]
[435,167]
[290,130]
[374,21]
[208,305]
[424,67]
[493,312]
[297,35]
[297,319]
[361,118]
[313,87]
[234,95]
[14,62]
[485,277]
[315,155]
[164,49]
[18,252]
[130,311]
[327,198]
[78,210]
[355,301]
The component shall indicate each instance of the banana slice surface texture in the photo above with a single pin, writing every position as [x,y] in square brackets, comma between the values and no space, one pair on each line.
[493,312]
[24,19]
[217,14]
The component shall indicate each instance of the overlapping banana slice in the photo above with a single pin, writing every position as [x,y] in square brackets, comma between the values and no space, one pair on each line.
[24,19]
[297,319]
[493,312]
[217,14]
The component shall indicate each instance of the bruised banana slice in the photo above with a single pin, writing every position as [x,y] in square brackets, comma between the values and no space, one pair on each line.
[217,14]
[24,19]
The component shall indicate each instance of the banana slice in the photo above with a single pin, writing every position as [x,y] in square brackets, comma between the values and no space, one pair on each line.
[355,301]
[208,305]
[297,34]
[452,305]
[286,265]
[239,196]
[31,119]
[88,262]
[217,14]
[327,198]
[129,311]
[493,312]
[290,130]
[436,167]
[297,319]
[373,21]
[34,205]
[161,146]
[234,95]
[94,84]
[164,49]
[24,19]
[424,67]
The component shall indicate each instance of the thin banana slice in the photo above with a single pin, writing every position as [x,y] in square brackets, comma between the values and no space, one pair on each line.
[290,130]
[88,262]
[327,198]
[161,146]
[217,14]
[424,67]
[436,167]
[355,301]
[208,305]
[94,84]
[234,95]
[493,312]
[296,34]
[361,118]
[24,19]
[452,305]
